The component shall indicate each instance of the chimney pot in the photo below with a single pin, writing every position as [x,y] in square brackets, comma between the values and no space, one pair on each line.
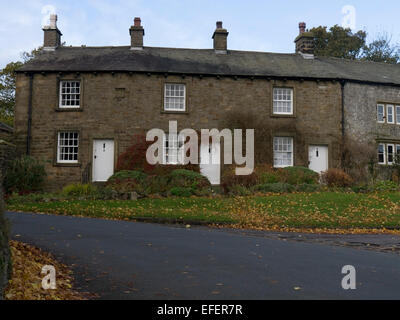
[53,21]
[137,22]
[302,27]
[219,24]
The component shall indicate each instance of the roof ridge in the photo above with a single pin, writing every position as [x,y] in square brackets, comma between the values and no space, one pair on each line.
[359,61]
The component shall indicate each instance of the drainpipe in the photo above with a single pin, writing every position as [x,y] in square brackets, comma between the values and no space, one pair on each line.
[29,135]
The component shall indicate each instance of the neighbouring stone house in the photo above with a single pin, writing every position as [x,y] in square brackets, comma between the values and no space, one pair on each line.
[77,108]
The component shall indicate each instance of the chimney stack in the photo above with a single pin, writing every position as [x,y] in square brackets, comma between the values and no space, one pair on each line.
[220,39]
[52,36]
[304,41]
[137,33]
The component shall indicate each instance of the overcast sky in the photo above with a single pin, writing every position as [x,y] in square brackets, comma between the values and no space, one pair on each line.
[253,25]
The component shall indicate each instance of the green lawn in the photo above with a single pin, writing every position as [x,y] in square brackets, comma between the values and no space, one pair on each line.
[332,210]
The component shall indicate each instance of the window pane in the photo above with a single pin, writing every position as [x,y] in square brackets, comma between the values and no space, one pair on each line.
[283,101]
[68,147]
[390,153]
[398,114]
[390,115]
[381,154]
[70,94]
[381,113]
[174,97]
[173,149]
[283,151]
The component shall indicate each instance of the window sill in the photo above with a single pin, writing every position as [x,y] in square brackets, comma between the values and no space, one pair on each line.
[68,165]
[174,112]
[80,109]
[274,115]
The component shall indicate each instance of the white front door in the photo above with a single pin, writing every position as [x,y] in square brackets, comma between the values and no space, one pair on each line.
[103,160]
[210,162]
[318,157]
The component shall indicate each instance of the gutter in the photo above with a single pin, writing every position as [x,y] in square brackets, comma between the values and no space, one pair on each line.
[29,135]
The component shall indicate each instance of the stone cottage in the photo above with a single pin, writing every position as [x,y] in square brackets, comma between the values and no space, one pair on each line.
[77,108]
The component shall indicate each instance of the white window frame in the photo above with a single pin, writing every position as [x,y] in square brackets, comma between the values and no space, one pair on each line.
[398,114]
[178,148]
[61,105]
[166,85]
[59,147]
[276,152]
[282,100]
[390,107]
[383,112]
[393,153]
[384,153]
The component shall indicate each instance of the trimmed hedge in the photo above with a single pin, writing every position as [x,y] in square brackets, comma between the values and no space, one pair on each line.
[5,255]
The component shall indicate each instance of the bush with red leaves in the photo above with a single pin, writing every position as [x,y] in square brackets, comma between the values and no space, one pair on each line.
[336,178]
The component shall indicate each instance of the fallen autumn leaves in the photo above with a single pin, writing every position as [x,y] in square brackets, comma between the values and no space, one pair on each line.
[26,282]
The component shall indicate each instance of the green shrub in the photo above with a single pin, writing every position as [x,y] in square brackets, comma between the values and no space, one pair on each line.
[298,175]
[385,186]
[129,181]
[79,190]
[364,188]
[269,177]
[187,179]
[308,188]
[230,180]
[126,174]
[24,175]
[158,185]
[275,188]
[181,192]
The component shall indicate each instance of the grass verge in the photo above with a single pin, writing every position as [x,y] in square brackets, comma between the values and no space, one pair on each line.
[319,211]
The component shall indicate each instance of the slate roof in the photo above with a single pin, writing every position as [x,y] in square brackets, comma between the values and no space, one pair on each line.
[207,62]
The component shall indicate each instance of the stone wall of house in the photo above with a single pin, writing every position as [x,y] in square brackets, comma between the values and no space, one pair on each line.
[121,105]
[361,116]
[361,113]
